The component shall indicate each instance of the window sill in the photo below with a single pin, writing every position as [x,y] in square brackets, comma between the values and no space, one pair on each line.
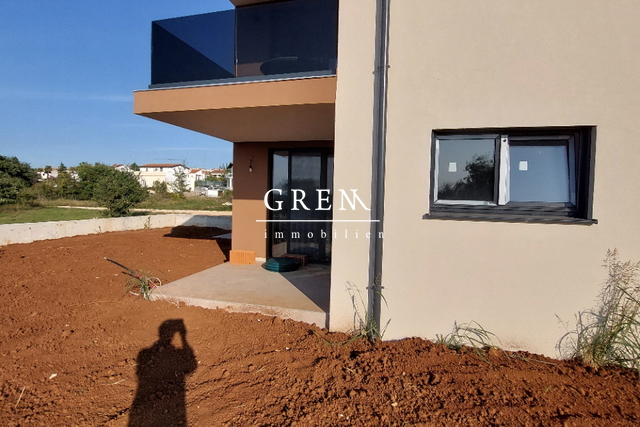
[503,217]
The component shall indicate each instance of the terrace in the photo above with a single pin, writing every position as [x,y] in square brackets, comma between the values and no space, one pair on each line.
[258,42]
[260,72]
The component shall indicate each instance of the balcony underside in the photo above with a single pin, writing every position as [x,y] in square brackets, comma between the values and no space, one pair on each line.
[283,110]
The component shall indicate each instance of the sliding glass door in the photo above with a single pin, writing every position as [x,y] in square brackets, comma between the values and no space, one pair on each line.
[301,225]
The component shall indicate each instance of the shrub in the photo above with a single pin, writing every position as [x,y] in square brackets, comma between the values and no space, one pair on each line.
[44,190]
[88,177]
[179,184]
[28,196]
[119,191]
[66,186]
[227,196]
[160,189]
[14,176]
[609,334]
[9,189]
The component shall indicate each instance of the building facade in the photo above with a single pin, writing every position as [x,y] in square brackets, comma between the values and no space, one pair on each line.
[488,141]
[162,173]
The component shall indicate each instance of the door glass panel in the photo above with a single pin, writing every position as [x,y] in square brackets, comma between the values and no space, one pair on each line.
[539,173]
[280,181]
[466,169]
[326,251]
[299,175]
[305,179]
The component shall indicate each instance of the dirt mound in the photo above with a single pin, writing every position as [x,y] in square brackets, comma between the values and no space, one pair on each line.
[75,351]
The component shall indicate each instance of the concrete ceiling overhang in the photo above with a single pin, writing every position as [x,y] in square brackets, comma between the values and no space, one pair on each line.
[279,110]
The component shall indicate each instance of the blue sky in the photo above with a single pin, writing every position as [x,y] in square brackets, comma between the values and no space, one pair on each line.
[68,69]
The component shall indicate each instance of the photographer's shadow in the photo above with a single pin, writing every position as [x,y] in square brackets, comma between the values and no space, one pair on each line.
[162,370]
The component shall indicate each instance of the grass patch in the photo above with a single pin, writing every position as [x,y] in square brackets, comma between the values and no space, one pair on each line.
[365,325]
[188,203]
[67,202]
[49,210]
[18,215]
[609,334]
[191,203]
[470,334]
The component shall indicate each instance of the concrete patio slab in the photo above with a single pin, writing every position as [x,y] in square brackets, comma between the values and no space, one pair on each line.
[301,295]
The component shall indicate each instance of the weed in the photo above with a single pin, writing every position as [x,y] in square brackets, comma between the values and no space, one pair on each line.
[139,282]
[609,334]
[365,325]
[470,334]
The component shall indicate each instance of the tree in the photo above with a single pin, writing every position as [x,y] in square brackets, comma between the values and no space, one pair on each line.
[179,184]
[134,167]
[88,177]
[160,188]
[47,170]
[477,185]
[14,176]
[65,184]
[119,191]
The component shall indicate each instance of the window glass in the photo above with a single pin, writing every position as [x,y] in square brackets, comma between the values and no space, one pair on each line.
[287,37]
[192,48]
[466,169]
[538,173]
[518,174]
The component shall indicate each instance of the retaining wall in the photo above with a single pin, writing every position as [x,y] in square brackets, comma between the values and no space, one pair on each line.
[25,233]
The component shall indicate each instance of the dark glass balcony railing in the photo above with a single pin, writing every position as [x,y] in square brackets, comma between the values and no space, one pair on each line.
[292,37]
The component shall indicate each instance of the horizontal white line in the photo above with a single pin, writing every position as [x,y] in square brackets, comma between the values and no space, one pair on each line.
[318,220]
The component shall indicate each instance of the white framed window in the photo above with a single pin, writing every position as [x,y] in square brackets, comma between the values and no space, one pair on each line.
[513,174]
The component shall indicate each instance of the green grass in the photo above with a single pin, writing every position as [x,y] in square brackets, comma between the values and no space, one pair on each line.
[470,334]
[19,215]
[49,210]
[190,203]
[156,202]
[67,202]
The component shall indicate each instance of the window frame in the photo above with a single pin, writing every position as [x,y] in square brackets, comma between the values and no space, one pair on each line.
[580,143]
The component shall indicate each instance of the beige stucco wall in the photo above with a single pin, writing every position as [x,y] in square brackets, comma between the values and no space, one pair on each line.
[500,63]
[352,167]
[248,197]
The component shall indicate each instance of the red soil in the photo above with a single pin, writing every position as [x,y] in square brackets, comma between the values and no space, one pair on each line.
[64,313]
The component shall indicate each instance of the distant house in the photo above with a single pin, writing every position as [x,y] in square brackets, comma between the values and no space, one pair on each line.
[194,176]
[218,173]
[160,172]
[224,175]
[229,177]
[43,176]
[121,167]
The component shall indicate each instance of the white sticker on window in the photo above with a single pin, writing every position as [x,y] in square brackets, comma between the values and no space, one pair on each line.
[453,167]
[523,165]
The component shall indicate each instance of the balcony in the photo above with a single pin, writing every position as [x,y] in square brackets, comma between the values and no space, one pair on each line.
[259,73]
[271,41]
